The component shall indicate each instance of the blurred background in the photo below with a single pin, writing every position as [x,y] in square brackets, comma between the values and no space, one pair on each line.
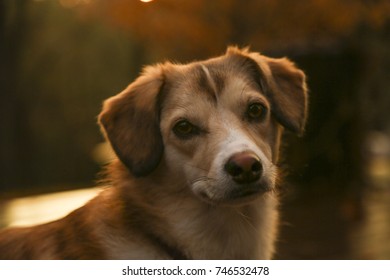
[59,59]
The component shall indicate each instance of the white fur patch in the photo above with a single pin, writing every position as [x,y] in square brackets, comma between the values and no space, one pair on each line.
[210,80]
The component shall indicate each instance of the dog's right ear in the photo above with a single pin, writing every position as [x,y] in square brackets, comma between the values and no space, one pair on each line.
[289,93]
[130,122]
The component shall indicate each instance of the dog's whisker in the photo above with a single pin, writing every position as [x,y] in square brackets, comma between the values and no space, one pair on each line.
[246,218]
[197,167]
[203,178]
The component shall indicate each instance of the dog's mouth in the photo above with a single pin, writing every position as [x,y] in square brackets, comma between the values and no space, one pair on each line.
[249,191]
[239,195]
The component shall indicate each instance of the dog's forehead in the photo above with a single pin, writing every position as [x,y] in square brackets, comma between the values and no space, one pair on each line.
[209,79]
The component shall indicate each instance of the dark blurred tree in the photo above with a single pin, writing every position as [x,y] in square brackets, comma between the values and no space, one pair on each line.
[15,130]
[52,82]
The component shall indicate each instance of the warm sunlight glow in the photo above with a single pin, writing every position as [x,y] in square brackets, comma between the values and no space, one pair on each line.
[146,1]
[73,3]
[39,209]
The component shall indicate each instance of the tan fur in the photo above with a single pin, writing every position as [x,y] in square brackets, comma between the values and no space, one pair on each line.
[170,196]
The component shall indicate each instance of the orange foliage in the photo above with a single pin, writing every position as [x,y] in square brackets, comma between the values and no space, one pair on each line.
[208,25]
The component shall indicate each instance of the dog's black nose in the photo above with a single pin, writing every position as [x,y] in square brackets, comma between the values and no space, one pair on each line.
[244,167]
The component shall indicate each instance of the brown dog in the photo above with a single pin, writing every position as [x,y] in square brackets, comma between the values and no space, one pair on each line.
[197,146]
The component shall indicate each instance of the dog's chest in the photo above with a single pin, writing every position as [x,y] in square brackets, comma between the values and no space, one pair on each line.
[221,234]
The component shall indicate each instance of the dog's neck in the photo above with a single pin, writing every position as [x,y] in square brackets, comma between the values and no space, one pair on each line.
[186,227]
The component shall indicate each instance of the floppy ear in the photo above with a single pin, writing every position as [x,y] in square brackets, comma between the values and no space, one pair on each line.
[130,122]
[284,84]
[288,93]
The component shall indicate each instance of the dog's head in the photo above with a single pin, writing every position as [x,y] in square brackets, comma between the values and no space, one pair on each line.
[215,123]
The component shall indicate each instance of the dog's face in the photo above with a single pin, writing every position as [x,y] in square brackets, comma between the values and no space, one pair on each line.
[215,123]
[218,131]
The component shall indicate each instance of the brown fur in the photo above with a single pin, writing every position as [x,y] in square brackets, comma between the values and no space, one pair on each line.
[169,196]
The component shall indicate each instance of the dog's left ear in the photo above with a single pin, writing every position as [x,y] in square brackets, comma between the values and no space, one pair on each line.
[130,122]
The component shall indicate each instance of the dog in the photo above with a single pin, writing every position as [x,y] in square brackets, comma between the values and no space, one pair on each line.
[196,173]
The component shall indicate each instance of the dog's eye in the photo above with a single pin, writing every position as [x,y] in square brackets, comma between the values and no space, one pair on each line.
[256,111]
[184,129]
